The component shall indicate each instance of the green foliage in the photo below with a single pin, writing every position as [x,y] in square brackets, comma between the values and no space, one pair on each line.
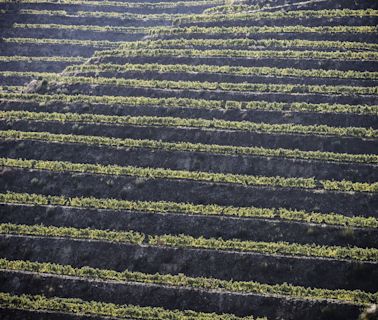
[350,296]
[187,146]
[191,122]
[254,54]
[47,59]
[146,5]
[231,8]
[86,43]
[274,15]
[247,43]
[156,173]
[185,241]
[160,173]
[224,69]
[135,101]
[68,232]
[186,48]
[285,248]
[197,85]
[263,29]
[94,308]
[190,209]
[102,14]
[95,28]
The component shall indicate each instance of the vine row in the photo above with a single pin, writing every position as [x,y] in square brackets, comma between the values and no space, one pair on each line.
[350,296]
[192,103]
[190,209]
[187,146]
[94,308]
[197,85]
[160,173]
[252,54]
[185,241]
[192,123]
[224,69]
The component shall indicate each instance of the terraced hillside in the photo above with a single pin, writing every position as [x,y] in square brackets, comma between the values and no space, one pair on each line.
[188,160]
[47,36]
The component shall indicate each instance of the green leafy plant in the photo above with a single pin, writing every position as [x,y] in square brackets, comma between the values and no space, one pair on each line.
[191,209]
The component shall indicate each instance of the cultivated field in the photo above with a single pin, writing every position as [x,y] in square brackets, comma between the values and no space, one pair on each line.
[197,159]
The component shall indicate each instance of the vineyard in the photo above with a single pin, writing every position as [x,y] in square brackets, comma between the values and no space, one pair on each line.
[197,159]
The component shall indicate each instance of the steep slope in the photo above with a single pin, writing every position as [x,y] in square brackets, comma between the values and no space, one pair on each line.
[47,36]
[224,167]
